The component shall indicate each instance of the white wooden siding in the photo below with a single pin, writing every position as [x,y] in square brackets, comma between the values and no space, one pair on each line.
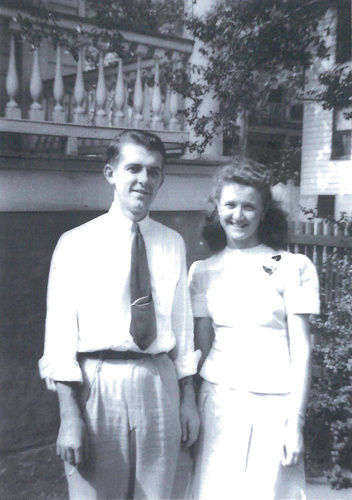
[320,175]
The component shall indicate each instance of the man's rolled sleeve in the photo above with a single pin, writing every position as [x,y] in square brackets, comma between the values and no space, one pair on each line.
[53,372]
[59,361]
[184,357]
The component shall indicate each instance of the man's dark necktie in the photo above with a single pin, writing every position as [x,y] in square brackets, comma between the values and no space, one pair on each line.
[143,322]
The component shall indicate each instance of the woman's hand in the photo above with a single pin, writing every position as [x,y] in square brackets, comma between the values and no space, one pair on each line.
[293,446]
[188,413]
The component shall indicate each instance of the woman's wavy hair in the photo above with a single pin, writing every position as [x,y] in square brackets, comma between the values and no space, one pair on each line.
[273,228]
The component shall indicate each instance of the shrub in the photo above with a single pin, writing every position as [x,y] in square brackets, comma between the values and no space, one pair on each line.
[329,414]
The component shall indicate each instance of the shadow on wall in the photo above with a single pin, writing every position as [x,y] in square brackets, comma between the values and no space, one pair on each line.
[29,413]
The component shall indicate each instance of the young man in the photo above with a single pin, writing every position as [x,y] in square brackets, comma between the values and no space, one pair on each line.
[119,335]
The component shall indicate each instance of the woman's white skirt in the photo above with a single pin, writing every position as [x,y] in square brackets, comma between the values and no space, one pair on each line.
[240,447]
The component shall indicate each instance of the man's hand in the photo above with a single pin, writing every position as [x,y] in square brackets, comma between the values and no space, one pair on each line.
[72,442]
[189,414]
[293,443]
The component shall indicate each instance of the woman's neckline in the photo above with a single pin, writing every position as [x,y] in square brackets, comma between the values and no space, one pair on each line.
[254,249]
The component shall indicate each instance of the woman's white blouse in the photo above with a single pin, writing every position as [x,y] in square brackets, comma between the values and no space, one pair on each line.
[248,295]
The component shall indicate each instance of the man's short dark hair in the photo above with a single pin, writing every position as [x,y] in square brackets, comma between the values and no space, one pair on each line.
[150,141]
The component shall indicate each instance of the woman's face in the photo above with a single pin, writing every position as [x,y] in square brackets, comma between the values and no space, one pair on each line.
[240,211]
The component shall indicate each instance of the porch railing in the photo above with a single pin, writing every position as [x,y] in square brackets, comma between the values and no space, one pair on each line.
[95,104]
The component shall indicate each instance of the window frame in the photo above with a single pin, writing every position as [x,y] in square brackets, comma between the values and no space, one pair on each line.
[337,140]
[323,211]
[343,51]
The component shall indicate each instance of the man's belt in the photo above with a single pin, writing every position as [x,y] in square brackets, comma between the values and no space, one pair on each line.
[110,354]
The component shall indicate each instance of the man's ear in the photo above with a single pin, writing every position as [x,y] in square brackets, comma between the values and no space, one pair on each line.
[162,178]
[109,173]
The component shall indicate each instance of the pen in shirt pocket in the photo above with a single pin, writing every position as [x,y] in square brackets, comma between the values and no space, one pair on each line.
[73,469]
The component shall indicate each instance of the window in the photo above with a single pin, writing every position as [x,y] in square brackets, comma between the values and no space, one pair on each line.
[343,32]
[296,112]
[326,206]
[341,147]
[276,95]
[265,149]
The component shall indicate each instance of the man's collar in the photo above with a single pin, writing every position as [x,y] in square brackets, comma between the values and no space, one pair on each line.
[124,222]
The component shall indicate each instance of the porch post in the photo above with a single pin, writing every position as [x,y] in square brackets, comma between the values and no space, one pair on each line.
[210,104]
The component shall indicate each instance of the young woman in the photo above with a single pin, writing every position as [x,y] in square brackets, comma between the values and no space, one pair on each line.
[251,302]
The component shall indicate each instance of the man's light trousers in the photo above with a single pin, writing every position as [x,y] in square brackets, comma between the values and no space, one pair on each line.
[131,409]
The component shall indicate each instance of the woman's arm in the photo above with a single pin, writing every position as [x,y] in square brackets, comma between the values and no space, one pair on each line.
[300,349]
[203,337]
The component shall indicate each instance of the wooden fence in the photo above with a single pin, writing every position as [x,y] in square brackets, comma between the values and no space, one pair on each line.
[325,244]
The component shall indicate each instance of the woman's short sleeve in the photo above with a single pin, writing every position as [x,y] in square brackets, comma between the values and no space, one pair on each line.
[301,289]
[198,288]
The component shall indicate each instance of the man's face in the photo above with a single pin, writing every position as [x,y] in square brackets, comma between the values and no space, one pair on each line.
[136,176]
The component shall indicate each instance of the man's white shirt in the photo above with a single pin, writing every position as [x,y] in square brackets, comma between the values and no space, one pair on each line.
[88,304]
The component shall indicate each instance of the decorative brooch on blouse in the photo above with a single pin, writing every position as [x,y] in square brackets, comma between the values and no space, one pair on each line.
[272,266]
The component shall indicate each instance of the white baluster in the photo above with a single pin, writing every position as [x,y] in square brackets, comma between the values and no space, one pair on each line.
[146,105]
[82,11]
[166,112]
[68,107]
[12,86]
[79,92]
[156,101]
[36,111]
[59,90]
[119,100]
[101,94]
[174,106]
[110,106]
[174,123]
[91,94]
[138,98]
[126,108]
[138,89]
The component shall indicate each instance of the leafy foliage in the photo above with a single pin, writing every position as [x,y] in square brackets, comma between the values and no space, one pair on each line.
[284,162]
[329,416]
[342,222]
[254,47]
[109,17]
[251,48]
[41,23]
[337,89]
[151,16]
